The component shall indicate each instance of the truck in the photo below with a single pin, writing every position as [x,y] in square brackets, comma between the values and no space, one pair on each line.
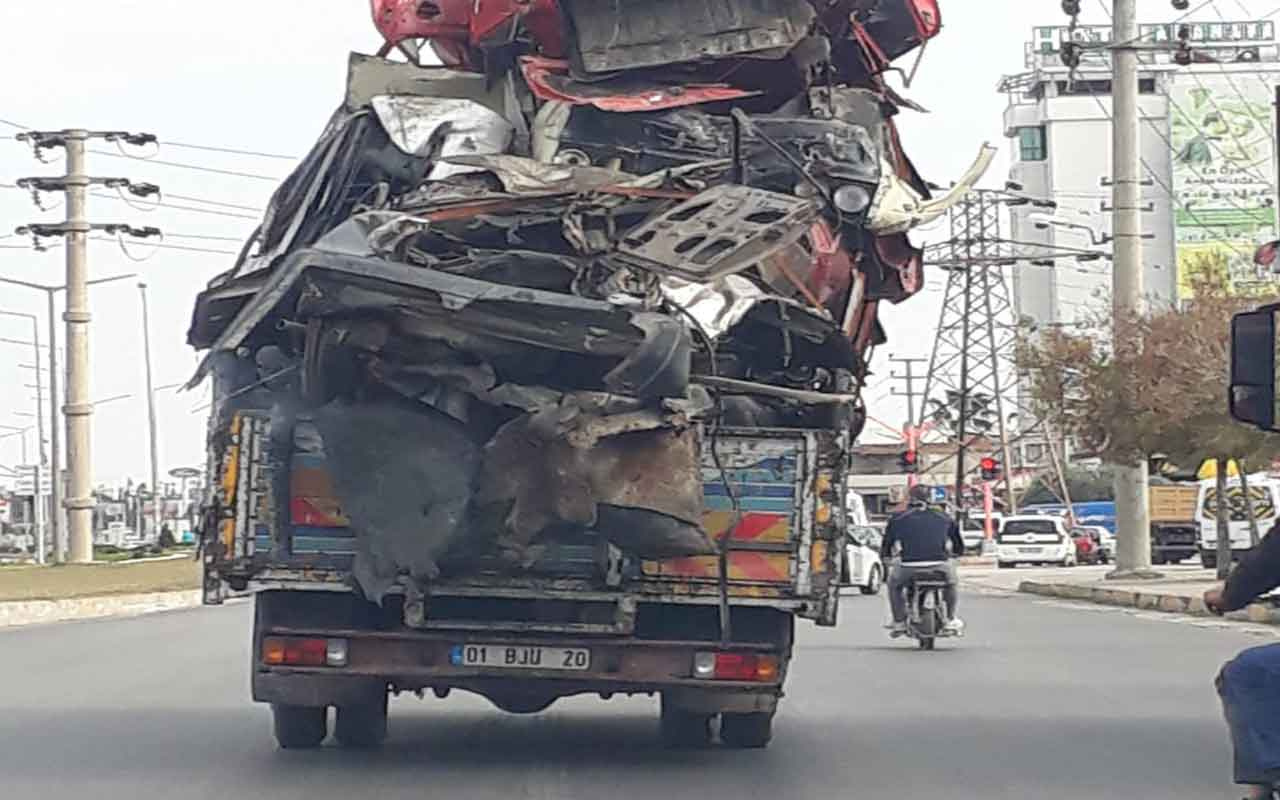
[583,618]
[1174,527]
[540,376]
[1173,521]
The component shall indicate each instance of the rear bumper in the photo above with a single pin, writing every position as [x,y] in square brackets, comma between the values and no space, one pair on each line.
[1013,554]
[414,661]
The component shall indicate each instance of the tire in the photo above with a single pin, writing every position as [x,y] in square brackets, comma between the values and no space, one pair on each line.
[846,578]
[1208,560]
[681,730]
[1158,560]
[362,726]
[299,727]
[746,731]
[926,642]
[873,582]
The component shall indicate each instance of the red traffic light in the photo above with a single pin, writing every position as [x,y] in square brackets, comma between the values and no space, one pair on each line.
[909,460]
[990,468]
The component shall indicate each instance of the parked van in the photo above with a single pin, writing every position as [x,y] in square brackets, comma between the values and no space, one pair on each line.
[1264,493]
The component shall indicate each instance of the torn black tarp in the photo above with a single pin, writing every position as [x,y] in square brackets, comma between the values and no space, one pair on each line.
[405,476]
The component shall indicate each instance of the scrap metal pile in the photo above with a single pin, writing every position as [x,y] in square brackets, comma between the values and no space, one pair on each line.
[502,295]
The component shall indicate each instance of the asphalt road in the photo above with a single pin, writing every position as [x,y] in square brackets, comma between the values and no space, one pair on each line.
[1041,700]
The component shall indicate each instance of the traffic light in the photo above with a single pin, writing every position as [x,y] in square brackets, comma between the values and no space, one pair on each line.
[909,460]
[990,469]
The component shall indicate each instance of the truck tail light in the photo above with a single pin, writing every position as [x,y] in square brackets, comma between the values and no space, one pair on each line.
[735,667]
[297,651]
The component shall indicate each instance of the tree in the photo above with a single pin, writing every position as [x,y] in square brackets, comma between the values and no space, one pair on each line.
[1085,486]
[1160,386]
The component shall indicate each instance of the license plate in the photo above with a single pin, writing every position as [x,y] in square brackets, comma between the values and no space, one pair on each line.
[503,656]
[1028,549]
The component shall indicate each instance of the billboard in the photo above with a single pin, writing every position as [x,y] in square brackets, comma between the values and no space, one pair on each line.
[1224,166]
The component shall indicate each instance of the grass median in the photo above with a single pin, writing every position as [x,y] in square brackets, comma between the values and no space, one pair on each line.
[88,580]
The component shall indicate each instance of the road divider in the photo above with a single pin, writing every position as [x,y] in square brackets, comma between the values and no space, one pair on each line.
[1169,602]
[34,612]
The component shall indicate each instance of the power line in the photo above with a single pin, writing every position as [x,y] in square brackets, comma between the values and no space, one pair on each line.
[172,207]
[214,202]
[183,165]
[166,246]
[231,150]
[237,239]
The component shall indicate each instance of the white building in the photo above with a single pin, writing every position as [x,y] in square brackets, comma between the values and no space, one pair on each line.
[1208,143]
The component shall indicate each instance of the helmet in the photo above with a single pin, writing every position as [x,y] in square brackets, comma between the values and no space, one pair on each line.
[920,495]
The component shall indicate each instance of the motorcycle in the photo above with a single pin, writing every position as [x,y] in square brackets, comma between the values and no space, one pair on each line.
[927,611]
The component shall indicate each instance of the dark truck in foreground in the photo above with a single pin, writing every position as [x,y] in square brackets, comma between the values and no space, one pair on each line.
[540,374]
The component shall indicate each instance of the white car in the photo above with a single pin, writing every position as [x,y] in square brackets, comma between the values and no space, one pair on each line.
[1035,539]
[862,567]
[974,531]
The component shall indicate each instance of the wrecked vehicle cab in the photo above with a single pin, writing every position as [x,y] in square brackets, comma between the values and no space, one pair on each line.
[541,371]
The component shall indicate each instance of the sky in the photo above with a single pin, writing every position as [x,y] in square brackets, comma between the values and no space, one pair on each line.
[264,77]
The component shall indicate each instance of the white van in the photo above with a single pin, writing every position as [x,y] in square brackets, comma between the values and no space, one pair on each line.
[1264,493]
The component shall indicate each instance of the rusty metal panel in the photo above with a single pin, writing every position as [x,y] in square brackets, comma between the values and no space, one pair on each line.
[743,566]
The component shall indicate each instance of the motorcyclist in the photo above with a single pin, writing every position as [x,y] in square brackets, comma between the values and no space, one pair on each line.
[923,535]
[1249,684]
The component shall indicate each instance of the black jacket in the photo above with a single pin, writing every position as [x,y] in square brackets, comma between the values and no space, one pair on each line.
[923,534]
[1257,573]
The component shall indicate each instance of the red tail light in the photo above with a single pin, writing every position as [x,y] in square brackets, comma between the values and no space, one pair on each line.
[736,667]
[296,651]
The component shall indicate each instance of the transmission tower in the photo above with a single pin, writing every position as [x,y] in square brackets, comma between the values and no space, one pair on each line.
[972,383]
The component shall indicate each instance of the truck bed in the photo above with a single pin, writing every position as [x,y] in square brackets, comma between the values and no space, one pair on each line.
[770,490]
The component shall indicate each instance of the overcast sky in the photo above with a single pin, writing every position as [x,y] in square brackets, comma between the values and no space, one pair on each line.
[260,76]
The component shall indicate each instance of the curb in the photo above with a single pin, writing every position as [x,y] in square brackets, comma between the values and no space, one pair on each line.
[35,612]
[1147,601]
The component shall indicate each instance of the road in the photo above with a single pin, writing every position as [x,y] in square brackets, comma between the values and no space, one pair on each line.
[1041,700]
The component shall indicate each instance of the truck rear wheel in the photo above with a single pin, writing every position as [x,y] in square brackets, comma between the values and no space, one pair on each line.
[746,730]
[1208,560]
[300,727]
[362,726]
[684,729]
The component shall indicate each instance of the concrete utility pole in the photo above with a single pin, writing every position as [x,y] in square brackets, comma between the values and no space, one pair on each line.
[78,409]
[1133,534]
[55,426]
[75,231]
[151,416]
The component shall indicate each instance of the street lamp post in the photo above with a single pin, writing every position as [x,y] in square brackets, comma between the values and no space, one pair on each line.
[59,529]
[156,513]
[38,501]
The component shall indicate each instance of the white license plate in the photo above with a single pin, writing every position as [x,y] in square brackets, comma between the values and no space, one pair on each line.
[1029,549]
[504,656]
